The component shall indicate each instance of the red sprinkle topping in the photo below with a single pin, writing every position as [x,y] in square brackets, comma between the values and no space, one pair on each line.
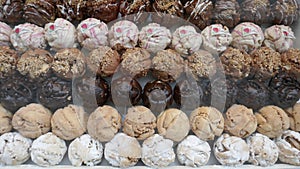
[119,30]
[17,30]
[149,30]
[52,27]
[285,33]
[247,30]
[183,31]
[84,26]
[216,29]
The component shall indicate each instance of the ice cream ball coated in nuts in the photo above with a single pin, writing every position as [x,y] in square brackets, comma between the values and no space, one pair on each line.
[272,121]
[48,150]
[139,122]
[85,150]
[207,122]
[173,124]
[240,121]
[104,123]
[14,149]
[5,120]
[32,120]
[69,122]
[231,150]
[123,151]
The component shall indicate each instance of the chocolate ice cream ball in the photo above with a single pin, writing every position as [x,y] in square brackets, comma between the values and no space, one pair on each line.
[252,94]
[285,12]
[69,122]
[227,12]
[17,91]
[291,61]
[136,9]
[69,63]
[104,10]
[73,10]
[205,84]
[32,120]
[216,38]
[60,34]
[206,122]
[256,11]
[236,63]
[35,64]
[157,95]
[139,122]
[279,37]
[284,89]
[173,124]
[92,33]
[202,64]
[187,94]
[136,62]
[199,12]
[5,32]
[5,120]
[272,121]
[186,40]
[12,11]
[240,121]
[154,37]
[90,92]
[126,91]
[28,36]
[266,61]
[103,61]
[165,10]
[294,114]
[247,36]
[103,123]
[167,65]
[39,12]
[54,93]
[8,61]
[123,35]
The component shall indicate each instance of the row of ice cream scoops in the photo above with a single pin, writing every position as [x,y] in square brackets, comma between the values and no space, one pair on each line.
[71,123]
[92,33]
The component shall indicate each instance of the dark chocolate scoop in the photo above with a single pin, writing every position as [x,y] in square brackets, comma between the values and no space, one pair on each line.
[157,95]
[16,91]
[252,94]
[11,11]
[126,91]
[55,93]
[187,94]
[284,89]
[91,92]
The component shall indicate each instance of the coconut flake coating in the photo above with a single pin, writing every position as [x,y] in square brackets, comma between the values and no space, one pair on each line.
[247,36]
[186,40]
[85,150]
[231,150]
[154,37]
[289,147]
[157,151]
[92,33]
[123,151]
[279,37]
[123,35]
[32,120]
[60,34]
[48,150]
[193,152]
[5,31]
[216,38]
[14,149]
[263,151]
[28,36]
